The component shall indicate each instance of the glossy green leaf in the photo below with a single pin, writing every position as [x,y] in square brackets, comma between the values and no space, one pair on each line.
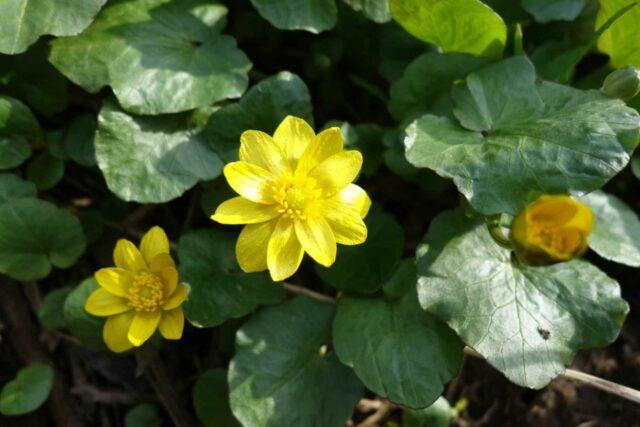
[283,374]
[143,415]
[77,140]
[635,166]
[45,170]
[553,10]
[12,187]
[524,139]
[263,107]
[314,16]
[528,322]
[440,414]
[219,289]
[425,86]
[619,42]
[51,313]
[376,10]
[28,391]
[211,400]
[455,25]
[158,56]
[396,349]
[30,76]
[151,159]
[36,235]
[18,128]
[82,325]
[364,268]
[23,21]
[616,235]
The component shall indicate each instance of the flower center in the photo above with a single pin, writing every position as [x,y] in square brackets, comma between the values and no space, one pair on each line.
[559,240]
[146,292]
[294,198]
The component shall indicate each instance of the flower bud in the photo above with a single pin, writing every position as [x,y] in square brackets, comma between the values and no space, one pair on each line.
[623,83]
[554,228]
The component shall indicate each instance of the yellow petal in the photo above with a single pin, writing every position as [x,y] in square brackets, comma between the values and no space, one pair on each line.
[104,303]
[153,243]
[356,198]
[317,239]
[250,181]
[347,225]
[324,145]
[336,172]
[242,211]
[169,277]
[126,255]
[284,253]
[160,262]
[115,332]
[251,248]
[115,280]
[293,135]
[260,149]
[172,324]
[143,326]
[583,218]
[177,298]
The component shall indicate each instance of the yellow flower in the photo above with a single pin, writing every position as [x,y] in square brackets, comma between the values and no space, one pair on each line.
[554,228]
[141,294]
[296,196]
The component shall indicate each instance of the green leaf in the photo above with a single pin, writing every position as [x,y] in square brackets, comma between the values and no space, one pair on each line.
[77,140]
[616,235]
[211,400]
[18,128]
[158,56]
[376,10]
[219,289]
[263,107]
[12,187]
[314,16]
[24,21]
[34,235]
[151,159]
[440,414]
[528,322]
[366,138]
[45,171]
[455,25]
[553,10]
[426,84]
[143,415]
[31,77]
[396,349]
[82,325]
[523,138]
[364,268]
[619,41]
[51,312]
[28,391]
[283,374]
[635,166]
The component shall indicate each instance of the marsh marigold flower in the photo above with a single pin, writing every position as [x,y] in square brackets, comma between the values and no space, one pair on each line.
[554,228]
[296,196]
[140,294]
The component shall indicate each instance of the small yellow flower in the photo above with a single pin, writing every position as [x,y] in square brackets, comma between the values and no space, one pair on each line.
[296,196]
[140,294]
[554,228]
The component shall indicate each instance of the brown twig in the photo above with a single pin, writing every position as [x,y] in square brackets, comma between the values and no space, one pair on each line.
[107,397]
[380,415]
[157,375]
[308,292]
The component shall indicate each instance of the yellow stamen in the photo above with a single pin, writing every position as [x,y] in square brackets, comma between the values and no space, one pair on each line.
[146,292]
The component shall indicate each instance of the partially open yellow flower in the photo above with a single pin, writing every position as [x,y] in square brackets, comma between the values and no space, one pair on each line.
[296,196]
[554,228]
[139,295]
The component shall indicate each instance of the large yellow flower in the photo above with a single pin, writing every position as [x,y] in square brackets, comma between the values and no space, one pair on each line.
[554,228]
[296,196]
[139,295]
